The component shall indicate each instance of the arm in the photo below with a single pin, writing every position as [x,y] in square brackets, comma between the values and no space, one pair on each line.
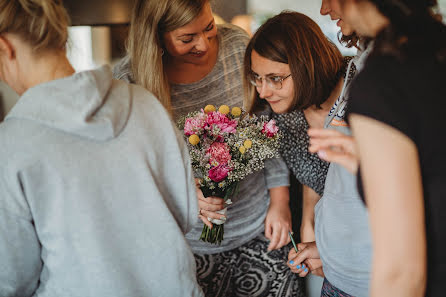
[21,264]
[278,218]
[393,190]
[310,198]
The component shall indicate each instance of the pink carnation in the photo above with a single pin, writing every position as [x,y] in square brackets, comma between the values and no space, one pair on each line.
[219,152]
[219,173]
[195,124]
[270,128]
[221,121]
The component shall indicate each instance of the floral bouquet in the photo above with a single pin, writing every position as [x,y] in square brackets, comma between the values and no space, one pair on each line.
[225,146]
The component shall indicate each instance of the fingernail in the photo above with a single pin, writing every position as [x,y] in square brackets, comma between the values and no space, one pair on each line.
[303,266]
[291,262]
[322,154]
[306,270]
[298,266]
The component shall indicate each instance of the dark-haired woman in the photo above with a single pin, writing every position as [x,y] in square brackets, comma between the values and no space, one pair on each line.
[397,116]
[292,69]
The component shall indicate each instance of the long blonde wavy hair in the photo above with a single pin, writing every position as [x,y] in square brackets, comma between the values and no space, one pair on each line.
[41,23]
[150,20]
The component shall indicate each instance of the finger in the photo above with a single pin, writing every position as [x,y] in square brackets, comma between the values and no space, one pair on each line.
[284,238]
[268,230]
[199,193]
[206,221]
[318,272]
[340,143]
[212,215]
[275,238]
[212,200]
[299,268]
[347,160]
[209,207]
[323,133]
[291,254]
[304,271]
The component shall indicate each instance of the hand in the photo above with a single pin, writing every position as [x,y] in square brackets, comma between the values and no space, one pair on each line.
[334,146]
[278,223]
[208,206]
[306,260]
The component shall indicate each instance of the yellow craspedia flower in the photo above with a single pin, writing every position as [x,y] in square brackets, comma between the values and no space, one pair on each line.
[224,109]
[236,111]
[242,149]
[209,108]
[194,139]
[247,144]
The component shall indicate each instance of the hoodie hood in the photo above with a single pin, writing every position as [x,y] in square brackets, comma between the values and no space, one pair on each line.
[89,104]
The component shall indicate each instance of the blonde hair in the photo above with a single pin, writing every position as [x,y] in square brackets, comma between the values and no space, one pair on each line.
[41,23]
[150,20]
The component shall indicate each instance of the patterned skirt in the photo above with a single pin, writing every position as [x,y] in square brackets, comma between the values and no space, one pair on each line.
[328,290]
[249,270]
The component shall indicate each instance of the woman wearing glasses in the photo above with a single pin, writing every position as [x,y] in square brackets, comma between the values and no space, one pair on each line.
[293,70]
[177,52]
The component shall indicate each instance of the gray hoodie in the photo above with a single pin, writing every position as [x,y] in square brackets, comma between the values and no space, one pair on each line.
[96,193]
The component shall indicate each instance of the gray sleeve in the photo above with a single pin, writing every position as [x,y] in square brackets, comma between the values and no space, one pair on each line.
[20,264]
[276,173]
[191,218]
[173,171]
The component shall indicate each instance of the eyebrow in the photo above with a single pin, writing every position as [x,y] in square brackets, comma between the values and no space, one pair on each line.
[192,34]
[269,74]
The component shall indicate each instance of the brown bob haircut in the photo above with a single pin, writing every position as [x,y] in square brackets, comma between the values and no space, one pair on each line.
[315,62]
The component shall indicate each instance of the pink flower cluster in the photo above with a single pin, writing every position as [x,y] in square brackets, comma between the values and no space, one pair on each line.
[219,152]
[219,173]
[270,128]
[221,121]
[195,124]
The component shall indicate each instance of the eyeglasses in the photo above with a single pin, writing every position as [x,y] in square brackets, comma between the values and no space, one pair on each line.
[273,81]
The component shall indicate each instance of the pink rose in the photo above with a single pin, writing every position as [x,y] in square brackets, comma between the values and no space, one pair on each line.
[219,173]
[219,152]
[270,128]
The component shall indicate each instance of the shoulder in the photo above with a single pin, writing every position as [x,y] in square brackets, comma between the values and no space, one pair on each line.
[233,36]
[123,70]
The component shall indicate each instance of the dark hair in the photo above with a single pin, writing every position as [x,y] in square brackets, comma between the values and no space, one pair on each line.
[413,27]
[315,62]
[349,41]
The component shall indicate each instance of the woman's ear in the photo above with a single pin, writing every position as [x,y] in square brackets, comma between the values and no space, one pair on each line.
[6,47]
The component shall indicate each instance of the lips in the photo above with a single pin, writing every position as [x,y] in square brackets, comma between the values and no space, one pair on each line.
[198,54]
[273,101]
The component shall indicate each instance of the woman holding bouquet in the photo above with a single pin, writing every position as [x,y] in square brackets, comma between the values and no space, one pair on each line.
[176,51]
[292,69]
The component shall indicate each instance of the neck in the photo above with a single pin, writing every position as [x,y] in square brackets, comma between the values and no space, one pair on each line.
[316,116]
[46,67]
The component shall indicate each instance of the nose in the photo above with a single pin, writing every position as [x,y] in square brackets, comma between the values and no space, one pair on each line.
[202,43]
[325,7]
[264,91]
